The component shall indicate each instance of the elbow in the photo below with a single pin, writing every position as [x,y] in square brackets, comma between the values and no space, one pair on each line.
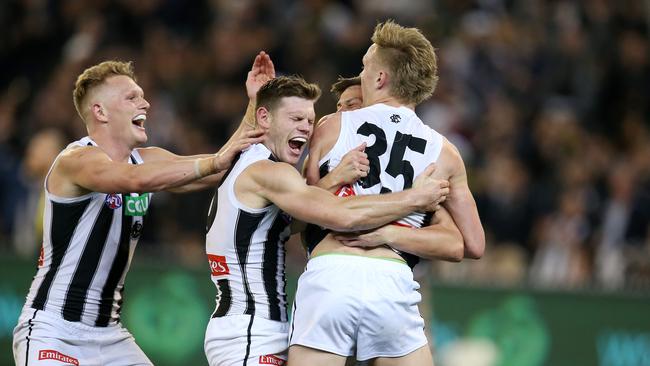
[456,251]
[456,254]
[476,248]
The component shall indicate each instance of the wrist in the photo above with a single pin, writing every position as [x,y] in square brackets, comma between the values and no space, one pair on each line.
[389,234]
[417,198]
[217,163]
[205,166]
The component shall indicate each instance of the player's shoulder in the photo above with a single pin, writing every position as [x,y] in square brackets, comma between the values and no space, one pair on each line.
[328,122]
[270,168]
[75,151]
[268,173]
[327,128]
[450,158]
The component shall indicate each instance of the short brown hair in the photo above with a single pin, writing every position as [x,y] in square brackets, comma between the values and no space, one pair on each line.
[342,84]
[285,86]
[95,75]
[410,57]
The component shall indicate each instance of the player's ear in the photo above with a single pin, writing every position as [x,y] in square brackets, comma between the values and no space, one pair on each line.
[263,117]
[381,80]
[99,112]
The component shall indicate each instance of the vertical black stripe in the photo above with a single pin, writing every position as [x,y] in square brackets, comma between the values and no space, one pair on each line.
[248,341]
[270,265]
[88,263]
[212,210]
[65,218]
[247,224]
[31,327]
[314,234]
[293,319]
[116,272]
[324,169]
[225,298]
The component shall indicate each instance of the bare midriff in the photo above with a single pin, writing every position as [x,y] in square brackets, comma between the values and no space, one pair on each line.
[329,245]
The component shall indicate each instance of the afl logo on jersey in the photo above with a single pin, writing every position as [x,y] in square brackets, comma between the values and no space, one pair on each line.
[113,201]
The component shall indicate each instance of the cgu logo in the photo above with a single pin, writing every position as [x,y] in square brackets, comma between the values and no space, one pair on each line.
[218,265]
[271,360]
[137,205]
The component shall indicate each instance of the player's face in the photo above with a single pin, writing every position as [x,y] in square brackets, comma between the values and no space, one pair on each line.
[292,123]
[126,109]
[350,99]
[369,74]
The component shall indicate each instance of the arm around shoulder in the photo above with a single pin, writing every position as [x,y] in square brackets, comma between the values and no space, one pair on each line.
[460,202]
[281,184]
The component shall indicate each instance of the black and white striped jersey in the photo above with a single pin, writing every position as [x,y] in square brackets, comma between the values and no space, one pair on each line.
[88,243]
[245,248]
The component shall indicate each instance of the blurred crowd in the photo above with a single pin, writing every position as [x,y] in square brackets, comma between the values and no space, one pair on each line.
[548,102]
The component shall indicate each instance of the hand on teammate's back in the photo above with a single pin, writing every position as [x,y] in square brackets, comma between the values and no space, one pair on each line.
[438,188]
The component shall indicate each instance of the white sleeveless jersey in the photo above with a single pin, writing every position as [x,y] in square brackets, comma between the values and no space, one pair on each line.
[399,147]
[245,248]
[88,243]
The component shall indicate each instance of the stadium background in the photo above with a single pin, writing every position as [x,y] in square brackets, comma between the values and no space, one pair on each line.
[548,101]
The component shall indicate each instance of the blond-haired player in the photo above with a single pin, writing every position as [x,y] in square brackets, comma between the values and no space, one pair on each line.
[375,315]
[97,193]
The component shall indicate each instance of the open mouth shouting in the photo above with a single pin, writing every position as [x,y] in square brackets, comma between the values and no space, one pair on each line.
[296,144]
[138,120]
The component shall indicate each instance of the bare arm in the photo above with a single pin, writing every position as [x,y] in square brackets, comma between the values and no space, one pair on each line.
[89,169]
[227,152]
[323,139]
[460,202]
[281,184]
[440,240]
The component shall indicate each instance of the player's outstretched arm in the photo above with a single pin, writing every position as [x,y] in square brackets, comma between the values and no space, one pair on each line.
[227,153]
[440,240]
[85,169]
[281,184]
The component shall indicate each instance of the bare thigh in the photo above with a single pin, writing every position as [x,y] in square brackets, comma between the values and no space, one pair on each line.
[419,357]
[299,355]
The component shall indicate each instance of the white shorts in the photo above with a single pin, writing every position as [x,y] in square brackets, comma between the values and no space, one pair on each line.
[346,303]
[43,339]
[236,340]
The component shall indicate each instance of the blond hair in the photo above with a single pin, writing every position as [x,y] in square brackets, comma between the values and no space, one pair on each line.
[285,86]
[96,75]
[411,59]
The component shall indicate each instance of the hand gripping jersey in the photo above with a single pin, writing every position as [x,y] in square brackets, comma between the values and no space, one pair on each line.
[88,243]
[399,148]
[245,248]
